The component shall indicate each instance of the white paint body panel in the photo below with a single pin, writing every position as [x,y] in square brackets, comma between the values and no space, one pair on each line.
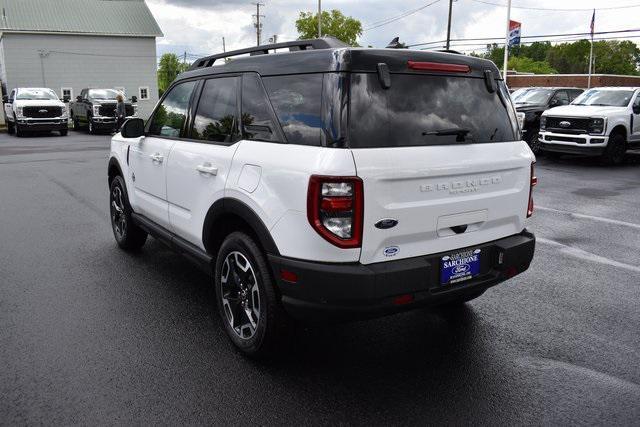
[484,186]
[280,199]
[190,192]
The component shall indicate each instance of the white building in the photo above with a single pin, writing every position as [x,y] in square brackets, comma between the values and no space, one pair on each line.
[68,45]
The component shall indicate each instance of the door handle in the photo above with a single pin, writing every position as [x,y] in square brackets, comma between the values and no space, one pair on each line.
[156,157]
[207,169]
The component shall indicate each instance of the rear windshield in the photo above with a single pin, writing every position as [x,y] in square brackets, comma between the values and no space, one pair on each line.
[421,110]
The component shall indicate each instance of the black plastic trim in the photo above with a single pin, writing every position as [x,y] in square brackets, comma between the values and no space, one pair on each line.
[585,150]
[189,250]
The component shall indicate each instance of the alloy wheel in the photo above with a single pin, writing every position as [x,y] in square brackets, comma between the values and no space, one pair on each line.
[240,295]
[118,217]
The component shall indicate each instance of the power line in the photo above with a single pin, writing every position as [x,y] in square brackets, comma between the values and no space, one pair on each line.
[527,37]
[557,10]
[398,17]
[481,46]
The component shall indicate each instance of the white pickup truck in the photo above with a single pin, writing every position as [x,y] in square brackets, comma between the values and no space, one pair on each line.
[35,109]
[602,122]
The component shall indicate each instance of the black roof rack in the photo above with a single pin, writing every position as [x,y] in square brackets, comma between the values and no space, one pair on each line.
[322,43]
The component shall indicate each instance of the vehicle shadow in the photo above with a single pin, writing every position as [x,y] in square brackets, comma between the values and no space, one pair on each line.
[632,159]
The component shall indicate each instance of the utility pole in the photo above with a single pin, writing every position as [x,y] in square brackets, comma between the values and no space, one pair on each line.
[449,24]
[258,24]
[593,23]
[319,18]
[224,46]
[506,42]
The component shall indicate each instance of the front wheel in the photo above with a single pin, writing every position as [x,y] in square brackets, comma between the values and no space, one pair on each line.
[250,309]
[615,150]
[128,235]
[63,132]
[11,128]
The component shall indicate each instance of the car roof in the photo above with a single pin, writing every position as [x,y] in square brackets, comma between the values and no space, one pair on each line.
[329,58]
[617,87]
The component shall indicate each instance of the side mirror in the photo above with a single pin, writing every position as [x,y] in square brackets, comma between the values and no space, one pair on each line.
[66,98]
[5,98]
[133,128]
[78,98]
[636,109]
[134,98]
[554,102]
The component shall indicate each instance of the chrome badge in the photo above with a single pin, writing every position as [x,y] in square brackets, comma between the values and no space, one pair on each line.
[386,223]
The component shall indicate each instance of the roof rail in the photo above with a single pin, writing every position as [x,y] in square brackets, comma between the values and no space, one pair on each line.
[322,43]
[449,51]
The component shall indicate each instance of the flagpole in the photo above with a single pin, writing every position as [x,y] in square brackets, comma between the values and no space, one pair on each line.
[593,18]
[506,43]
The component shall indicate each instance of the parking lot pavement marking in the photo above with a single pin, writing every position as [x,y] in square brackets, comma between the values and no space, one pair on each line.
[591,217]
[587,256]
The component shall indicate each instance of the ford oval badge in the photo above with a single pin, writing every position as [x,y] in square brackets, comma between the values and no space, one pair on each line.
[391,251]
[386,223]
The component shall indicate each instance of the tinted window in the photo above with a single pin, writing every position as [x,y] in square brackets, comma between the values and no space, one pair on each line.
[215,118]
[561,98]
[297,102]
[534,96]
[574,93]
[172,112]
[257,119]
[426,110]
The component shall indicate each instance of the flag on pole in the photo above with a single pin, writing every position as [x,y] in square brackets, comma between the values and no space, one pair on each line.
[593,22]
[514,33]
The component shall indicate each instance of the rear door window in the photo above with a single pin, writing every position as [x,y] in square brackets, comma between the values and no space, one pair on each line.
[215,118]
[421,110]
[297,101]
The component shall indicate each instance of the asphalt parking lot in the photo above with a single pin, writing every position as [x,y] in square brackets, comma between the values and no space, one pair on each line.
[92,335]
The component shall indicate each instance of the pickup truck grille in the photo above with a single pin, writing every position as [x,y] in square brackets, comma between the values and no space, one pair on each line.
[41,112]
[108,110]
[576,126]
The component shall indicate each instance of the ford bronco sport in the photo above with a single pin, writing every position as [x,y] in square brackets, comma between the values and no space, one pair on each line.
[330,182]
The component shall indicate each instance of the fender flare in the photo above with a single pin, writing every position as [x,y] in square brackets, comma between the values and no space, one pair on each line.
[113,163]
[233,207]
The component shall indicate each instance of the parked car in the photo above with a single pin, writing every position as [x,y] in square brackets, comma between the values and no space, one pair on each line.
[602,122]
[533,102]
[330,182]
[96,109]
[29,109]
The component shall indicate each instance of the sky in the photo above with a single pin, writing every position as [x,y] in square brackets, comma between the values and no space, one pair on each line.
[198,26]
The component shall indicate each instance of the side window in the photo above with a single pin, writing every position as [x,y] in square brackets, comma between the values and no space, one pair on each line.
[574,94]
[636,103]
[215,118]
[83,94]
[561,98]
[257,120]
[170,115]
[297,102]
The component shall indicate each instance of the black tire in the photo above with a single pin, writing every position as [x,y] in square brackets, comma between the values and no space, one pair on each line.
[128,235]
[19,131]
[90,127]
[64,132]
[615,150]
[533,136]
[76,123]
[242,275]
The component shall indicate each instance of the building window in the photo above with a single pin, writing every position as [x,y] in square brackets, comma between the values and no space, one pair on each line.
[121,90]
[143,92]
[67,91]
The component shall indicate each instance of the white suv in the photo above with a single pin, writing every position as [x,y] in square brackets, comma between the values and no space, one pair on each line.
[603,122]
[330,182]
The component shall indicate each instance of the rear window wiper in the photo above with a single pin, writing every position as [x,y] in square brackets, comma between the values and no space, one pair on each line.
[460,133]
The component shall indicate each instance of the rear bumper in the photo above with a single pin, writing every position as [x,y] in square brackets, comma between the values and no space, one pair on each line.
[325,292]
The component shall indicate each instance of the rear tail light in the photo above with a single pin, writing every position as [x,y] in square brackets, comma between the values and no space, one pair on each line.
[334,207]
[533,183]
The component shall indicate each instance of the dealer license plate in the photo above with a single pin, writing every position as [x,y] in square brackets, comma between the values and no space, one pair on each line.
[459,266]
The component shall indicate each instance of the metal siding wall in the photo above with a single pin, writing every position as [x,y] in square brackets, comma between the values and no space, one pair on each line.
[80,61]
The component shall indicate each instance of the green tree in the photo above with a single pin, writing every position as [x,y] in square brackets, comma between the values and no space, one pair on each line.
[168,69]
[528,65]
[334,24]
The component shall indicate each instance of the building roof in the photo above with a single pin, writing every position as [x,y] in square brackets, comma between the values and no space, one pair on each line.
[97,17]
